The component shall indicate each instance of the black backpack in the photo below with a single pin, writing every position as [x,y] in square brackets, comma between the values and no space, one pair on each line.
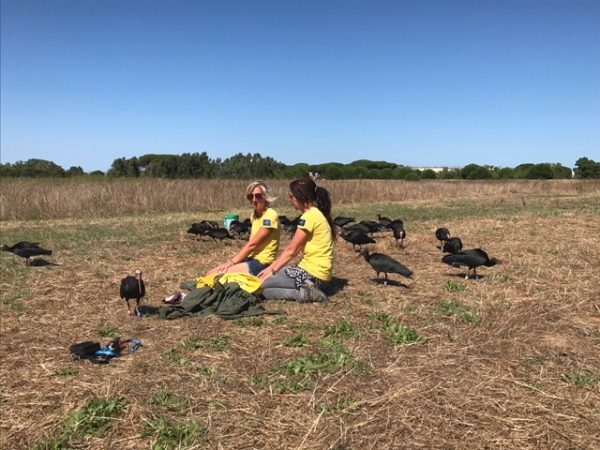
[87,350]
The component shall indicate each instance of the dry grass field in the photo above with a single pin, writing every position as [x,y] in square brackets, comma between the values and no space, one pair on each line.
[511,360]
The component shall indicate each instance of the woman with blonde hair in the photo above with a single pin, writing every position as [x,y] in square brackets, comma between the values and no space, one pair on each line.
[261,249]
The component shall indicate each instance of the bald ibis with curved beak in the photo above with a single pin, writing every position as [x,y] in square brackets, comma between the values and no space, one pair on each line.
[472,259]
[27,250]
[386,264]
[133,287]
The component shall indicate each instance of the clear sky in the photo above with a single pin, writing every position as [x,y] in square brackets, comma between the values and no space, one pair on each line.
[419,82]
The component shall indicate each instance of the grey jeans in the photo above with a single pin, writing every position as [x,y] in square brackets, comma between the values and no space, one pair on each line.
[280,287]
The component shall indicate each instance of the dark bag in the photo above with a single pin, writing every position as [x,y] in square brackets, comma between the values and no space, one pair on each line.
[87,350]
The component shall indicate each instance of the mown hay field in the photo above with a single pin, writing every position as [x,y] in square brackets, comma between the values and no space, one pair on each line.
[511,360]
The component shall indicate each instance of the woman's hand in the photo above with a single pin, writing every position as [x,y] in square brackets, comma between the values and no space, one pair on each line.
[221,268]
[265,274]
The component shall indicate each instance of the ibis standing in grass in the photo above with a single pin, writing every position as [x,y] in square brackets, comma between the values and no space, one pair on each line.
[26,249]
[133,287]
[472,259]
[386,264]
[442,234]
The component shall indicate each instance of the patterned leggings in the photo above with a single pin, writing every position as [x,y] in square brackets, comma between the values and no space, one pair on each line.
[285,284]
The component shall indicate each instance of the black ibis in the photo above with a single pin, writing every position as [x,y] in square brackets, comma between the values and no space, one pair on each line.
[373,226]
[399,232]
[442,234]
[395,223]
[291,226]
[239,229]
[26,249]
[385,221]
[133,287]
[360,227]
[219,233]
[200,228]
[452,245]
[386,264]
[341,221]
[472,259]
[356,238]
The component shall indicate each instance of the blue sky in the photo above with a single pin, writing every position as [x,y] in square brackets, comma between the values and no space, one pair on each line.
[419,83]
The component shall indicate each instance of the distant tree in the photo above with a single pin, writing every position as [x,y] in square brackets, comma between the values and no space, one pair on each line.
[522,169]
[96,173]
[448,174]
[587,168]
[475,172]
[296,171]
[374,174]
[167,166]
[367,164]
[195,165]
[33,168]
[412,175]
[504,173]
[465,171]
[405,173]
[7,170]
[75,171]
[361,173]
[348,173]
[387,173]
[332,171]
[541,171]
[561,172]
[428,174]
[118,168]
[249,166]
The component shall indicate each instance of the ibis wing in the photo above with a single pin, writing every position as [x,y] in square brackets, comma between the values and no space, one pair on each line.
[464,259]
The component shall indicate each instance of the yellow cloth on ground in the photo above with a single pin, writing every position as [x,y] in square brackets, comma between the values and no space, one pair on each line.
[247,282]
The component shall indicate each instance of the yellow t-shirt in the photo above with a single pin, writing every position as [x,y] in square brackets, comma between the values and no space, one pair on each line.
[318,251]
[267,252]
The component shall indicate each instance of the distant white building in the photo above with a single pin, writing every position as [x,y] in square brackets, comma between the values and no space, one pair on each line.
[435,169]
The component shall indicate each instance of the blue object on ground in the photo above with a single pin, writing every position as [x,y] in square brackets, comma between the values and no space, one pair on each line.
[107,352]
[135,345]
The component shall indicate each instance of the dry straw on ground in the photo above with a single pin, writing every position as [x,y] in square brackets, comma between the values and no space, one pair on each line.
[515,364]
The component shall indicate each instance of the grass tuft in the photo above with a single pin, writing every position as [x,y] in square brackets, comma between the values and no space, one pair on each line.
[330,409]
[251,322]
[171,401]
[398,333]
[211,343]
[170,434]
[95,417]
[453,308]
[453,286]
[583,378]
[298,340]
[67,372]
[106,330]
[341,329]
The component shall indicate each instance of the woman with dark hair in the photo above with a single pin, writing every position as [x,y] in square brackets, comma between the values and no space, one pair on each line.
[314,237]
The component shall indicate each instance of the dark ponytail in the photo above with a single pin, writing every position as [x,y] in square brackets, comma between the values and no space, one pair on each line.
[323,202]
[307,191]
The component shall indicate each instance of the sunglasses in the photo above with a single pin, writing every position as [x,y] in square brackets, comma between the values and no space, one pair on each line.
[258,196]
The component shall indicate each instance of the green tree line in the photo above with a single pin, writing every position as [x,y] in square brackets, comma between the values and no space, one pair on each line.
[200,165]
